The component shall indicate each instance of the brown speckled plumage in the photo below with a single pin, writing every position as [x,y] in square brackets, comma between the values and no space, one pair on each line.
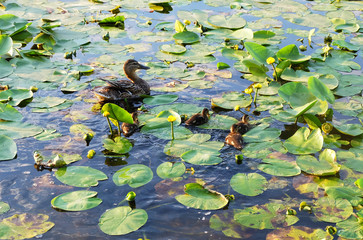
[129,129]
[234,138]
[198,118]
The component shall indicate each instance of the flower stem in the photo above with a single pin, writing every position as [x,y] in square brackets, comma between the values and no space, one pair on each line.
[118,128]
[273,66]
[172,131]
[255,97]
[109,124]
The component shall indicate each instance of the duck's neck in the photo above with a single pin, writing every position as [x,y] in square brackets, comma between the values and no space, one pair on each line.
[132,76]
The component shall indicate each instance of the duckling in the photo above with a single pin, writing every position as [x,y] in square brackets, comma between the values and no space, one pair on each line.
[4,87]
[129,128]
[125,89]
[242,126]
[198,118]
[234,138]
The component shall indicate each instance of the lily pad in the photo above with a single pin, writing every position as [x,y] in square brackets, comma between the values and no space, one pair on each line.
[76,201]
[200,157]
[26,225]
[196,196]
[268,216]
[118,145]
[291,52]
[46,102]
[326,165]
[186,37]
[258,52]
[160,99]
[122,220]
[170,170]
[279,167]
[217,121]
[173,48]
[262,133]
[332,210]
[4,207]
[232,22]
[80,176]
[230,100]
[351,228]
[320,90]
[299,232]
[9,113]
[251,184]
[351,193]
[6,44]
[15,96]
[18,130]
[135,175]
[304,141]
[350,129]
[9,149]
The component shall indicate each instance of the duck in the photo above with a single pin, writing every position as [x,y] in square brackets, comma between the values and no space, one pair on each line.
[242,126]
[129,128]
[125,89]
[198,118]
[234,138]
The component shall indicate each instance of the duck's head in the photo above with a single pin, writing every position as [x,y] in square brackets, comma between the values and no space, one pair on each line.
[234,128]
[132,65]
[205,112]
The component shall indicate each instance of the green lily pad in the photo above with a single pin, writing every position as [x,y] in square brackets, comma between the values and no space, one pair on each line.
[345,45]
[320,90]
[217,121]
[279,167]
[351,228]
[200,157]
[299,232]
[48,134]
[4,207]
[304,141]
[18,130]
[160,99]
[261,133]
[197,142]
[350,129]
[135,175]
[259,52]
[9,113]
[15,96]
[223,221]
[351,193]
[332,210]
[222,65]
[326,165]
[122,220]
[262,149]
[232,22]
[26,225]
[46,102]
[186,37]
[170,170]
[6,44]
[173,48]
[76,201]
[251,184]
[230,100]
[118,145]
[9,149]
[117,113]
[268,216]
[5,68]
[291,52]
[196,196]
[80,176]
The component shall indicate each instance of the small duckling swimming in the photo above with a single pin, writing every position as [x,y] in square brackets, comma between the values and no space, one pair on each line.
[125,89]
[234,138]
[198,118]
[129,128]
[243,126]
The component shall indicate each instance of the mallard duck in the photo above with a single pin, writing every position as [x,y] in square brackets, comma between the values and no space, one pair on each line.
[198,118]
[242,126]
[125,89]
[129,128]
[234,138]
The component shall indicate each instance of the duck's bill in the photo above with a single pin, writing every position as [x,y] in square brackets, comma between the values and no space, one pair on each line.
[143,67]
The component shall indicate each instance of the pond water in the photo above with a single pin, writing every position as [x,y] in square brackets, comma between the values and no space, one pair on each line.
[146,29]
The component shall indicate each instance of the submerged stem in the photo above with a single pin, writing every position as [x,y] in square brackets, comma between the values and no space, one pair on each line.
[109,124]
[172,131]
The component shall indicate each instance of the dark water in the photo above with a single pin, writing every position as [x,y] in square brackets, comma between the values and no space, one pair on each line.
[30,191]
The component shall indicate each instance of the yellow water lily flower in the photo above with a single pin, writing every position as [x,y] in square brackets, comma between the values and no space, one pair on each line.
[248,90]
[270,60]
[171,118]
[257,85]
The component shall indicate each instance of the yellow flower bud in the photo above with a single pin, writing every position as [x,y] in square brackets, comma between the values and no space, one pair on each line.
[237,107]
[171,118]
[270,60]
[187,22]
[248,90]
[106,114]
[257,85]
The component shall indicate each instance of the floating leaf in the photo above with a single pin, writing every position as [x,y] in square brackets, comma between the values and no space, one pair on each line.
[18,130]
[222,65]
[24,226]
[304,142]
[268,216]
[135,175]
[46,102]
[80,176]
[122,220]
[196,196]
[200,157]
[160,99]
[15,96]
[4,207]
[291,52]
[332,210]
[299,232]
[232,22]
[173,48]
[251,184]
[9,113]
[326,165]
[186,37]
[170,170]
[261,133]
[118,145]
[279,167]
[217,121]
[117,113]
[350,129]
[6,44]
[8,148]
[47,134]
[352,194]
[351,228]
[320,90]
[76,201]
[258,52]
[230,100]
